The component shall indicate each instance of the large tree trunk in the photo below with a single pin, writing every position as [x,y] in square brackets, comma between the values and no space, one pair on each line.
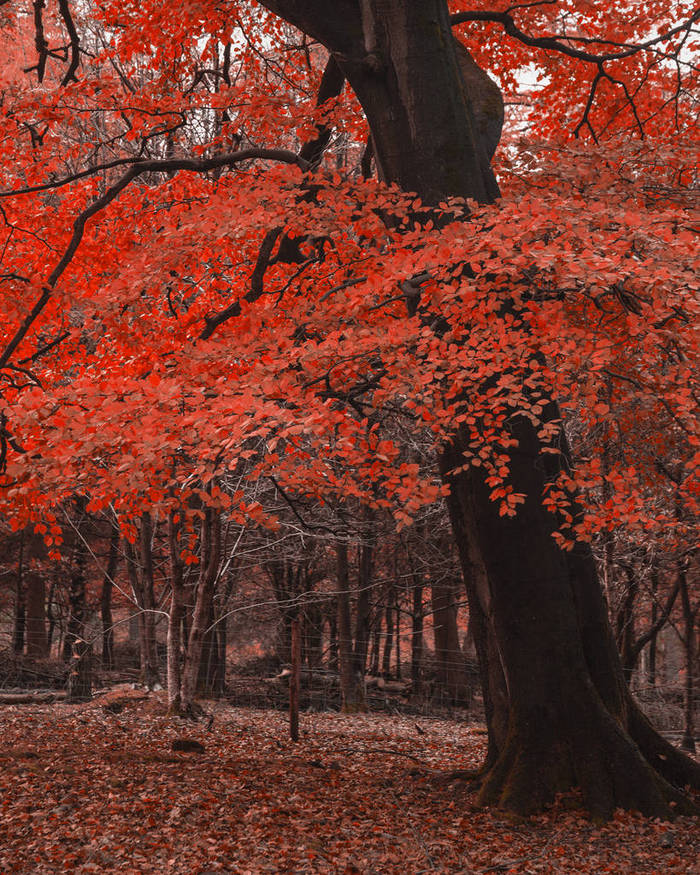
[570,720]
[568,710]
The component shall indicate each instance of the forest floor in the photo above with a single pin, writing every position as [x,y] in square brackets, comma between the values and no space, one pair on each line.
[98,787]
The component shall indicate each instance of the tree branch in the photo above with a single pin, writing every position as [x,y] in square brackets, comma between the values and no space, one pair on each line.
[74,41]
[554,42]
[661,621]
[149,166]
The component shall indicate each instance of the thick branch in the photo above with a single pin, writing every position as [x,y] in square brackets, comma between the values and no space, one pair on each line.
[74,41]
[150,166]
[661,621]
[554,42]
[147,165]
[311,152]
[331,86]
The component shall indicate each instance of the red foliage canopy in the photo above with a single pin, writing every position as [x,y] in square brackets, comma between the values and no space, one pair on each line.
[154,330]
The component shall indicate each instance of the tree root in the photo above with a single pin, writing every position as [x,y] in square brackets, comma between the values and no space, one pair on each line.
[676,767]
[587,750]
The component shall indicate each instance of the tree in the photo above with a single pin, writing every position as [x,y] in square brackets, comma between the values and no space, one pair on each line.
[570,718]
[421,298]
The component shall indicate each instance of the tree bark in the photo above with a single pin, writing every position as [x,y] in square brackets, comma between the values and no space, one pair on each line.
[625,623]
[79,687]
[210,563]
[175,618]
[364,587]
[313,628]
[37,641]
[140,570]
[389,638]
[351,687]
[569,719]
[36,637]
[106,600]
[688,740]
[416,633]
[651,664]
[20,617]
[333,664]
[75,627]
[376,641]
[149,667]
[398,634]
[453,686]
[295,680]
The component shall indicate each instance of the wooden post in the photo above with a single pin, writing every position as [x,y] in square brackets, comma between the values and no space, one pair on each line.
[295,680]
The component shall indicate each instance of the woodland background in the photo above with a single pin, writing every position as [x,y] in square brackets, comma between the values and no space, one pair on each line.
[232,350]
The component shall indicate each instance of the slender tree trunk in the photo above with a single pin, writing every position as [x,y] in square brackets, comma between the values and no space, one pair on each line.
[351,687]
[50,612]
[333,664]
[376,642]
[77,588]
[295,680]
[210,561]
[37,641]
[481,620]
[451,665]
[175,617]
[312,620]
[150,668]
[398,635]
[79,686]
[219,681]
[140,570]
[688,740]
[416,632]
[207,664]
[20,618]
[651,664]
[364,586]
[625,624]
[106,599]
[389,638]
[212,666]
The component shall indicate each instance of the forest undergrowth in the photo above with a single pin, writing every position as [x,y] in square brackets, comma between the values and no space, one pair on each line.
[105,787]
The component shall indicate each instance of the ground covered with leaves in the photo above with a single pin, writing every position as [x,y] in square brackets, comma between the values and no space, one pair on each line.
[104,787]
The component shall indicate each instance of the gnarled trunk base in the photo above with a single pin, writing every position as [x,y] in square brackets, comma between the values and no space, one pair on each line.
[584,748]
